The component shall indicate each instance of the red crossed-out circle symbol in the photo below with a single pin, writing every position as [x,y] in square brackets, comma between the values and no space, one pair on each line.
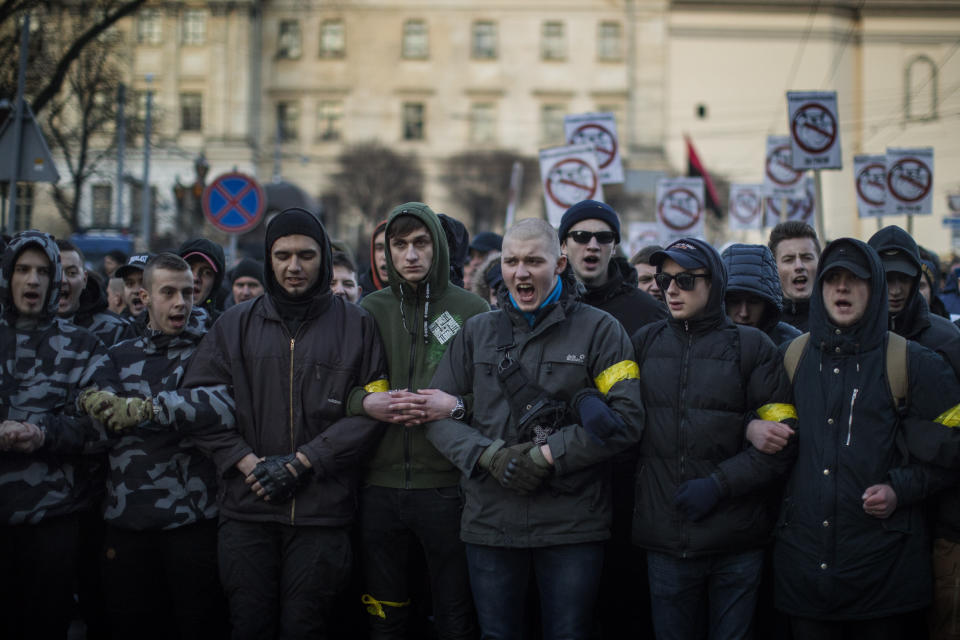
[780,169]
[797,208]
[814,128]
[909,180]
[679,209]
[745,206]
[570,181]
[870,183]
[602,140]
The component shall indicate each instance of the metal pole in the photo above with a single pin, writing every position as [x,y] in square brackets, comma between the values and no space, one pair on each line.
[818,212]
[145,198]
[910,224]
[119,217]
[276,147]
[18,123]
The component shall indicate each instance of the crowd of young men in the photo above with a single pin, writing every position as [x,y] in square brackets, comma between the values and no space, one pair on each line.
[766,447]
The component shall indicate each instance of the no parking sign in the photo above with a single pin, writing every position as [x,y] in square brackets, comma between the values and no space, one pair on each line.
[680,208]
[814,129]
[600,130]
[569,175]
[910,181]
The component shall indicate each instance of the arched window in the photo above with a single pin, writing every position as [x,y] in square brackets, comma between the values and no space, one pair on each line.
[920,89]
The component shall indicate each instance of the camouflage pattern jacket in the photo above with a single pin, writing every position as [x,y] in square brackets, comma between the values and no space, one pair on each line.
[157,478]
[95,317]
[45,363]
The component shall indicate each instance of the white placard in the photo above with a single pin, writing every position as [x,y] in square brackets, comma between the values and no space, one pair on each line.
[640,235]
[870,183]
[780,179]
[600,130]
[746,206]
[814,129]
[801,207]
[680,208]
[568,175]
[910,181]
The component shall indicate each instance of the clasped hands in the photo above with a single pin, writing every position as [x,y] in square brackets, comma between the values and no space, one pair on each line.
[409,408]
[21,437]
[115,412]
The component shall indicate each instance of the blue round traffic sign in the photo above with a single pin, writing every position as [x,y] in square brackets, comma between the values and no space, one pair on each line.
[234,202]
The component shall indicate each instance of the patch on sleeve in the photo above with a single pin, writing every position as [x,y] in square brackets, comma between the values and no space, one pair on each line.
[444,327]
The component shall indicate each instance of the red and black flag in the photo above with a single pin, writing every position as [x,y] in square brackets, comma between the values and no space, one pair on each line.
[695,169]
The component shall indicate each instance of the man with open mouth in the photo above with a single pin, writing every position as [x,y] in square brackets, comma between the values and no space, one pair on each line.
[796,249]
[132,276]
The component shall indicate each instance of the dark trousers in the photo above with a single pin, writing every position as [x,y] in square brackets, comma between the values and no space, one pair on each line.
[693,596]
[37,563]
[281,580]
[163,584]
[567,577]
[899,627]
[393,519]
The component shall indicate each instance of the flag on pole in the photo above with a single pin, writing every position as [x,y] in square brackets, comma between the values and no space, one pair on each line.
[695,169]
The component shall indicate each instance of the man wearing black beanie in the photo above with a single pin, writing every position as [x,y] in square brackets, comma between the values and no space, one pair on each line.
[288,481]
[246,280]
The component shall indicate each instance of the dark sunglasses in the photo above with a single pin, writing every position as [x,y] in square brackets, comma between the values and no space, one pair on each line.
[583,237]
[685,280]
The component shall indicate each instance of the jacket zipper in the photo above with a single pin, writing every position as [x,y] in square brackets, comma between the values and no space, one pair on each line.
[407,470]
[683,399]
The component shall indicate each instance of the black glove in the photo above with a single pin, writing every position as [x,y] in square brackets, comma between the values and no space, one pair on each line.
[697,498]
[515,470]
[599,420]
[279,484]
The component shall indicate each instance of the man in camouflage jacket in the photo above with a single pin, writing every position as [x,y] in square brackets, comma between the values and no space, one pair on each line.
[46,362]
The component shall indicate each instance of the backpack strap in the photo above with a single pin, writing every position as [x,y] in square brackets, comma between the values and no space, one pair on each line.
[897,369]
[791,359]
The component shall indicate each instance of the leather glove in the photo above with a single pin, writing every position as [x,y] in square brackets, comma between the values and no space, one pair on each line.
[596,417]
[696,498]
[279,484]
[116,412]
[514,469]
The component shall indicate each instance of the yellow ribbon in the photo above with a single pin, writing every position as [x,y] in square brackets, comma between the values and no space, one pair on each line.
[950,417]
[375,607]
[378,385]
[777,412]
[623,370]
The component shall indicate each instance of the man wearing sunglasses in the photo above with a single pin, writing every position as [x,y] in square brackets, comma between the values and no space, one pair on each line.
[589,234]
[702,512]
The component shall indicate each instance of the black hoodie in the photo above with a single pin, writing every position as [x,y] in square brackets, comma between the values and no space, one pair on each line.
[215,253]
[915,322]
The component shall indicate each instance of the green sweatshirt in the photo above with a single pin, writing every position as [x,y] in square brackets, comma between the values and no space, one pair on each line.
[404,459]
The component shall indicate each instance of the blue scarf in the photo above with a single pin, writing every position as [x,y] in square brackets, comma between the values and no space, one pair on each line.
[531,316]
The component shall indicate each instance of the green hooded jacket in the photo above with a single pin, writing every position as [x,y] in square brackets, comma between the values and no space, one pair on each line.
[404,459]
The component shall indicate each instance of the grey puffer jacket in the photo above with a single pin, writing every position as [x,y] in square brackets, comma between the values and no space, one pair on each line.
[571,347]
[752,270]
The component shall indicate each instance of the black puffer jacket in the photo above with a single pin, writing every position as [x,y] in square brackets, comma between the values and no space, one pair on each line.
[701,379]
[915,322]
[832,560]
[751,269]
[620,297]
[796,313]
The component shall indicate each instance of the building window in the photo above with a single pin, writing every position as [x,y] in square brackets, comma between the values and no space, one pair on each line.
[484,40]
[920,100]
[194,26]
[191,112]
[23,216]
[551,124]
[102,196]
[332,39]
[483,123]
[609,41]
[413,124]
[288,121]
[552,43]
[150,26]
[329,120]
[288,42]
[416,43]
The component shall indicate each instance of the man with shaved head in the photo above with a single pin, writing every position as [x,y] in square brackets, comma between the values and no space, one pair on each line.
[551,402]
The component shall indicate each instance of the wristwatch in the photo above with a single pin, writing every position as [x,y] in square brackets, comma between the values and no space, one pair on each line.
[459,410]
